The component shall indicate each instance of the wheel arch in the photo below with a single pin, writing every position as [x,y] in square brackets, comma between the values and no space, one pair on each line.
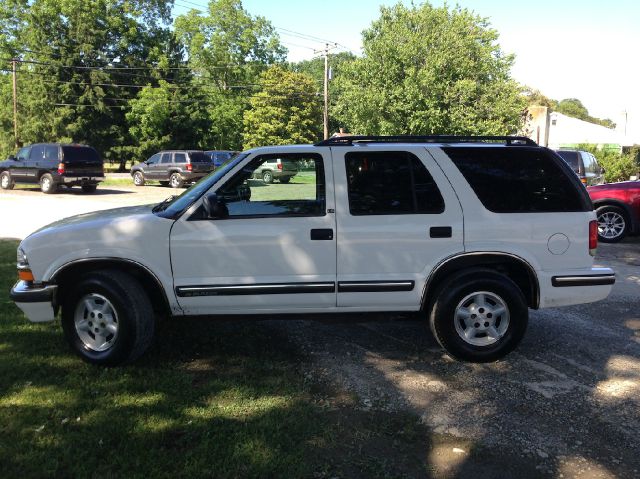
[514,267]
[147,279]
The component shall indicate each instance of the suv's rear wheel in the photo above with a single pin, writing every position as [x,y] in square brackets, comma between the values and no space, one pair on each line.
[175,180]
[107,318]
[612,224]
[479,316]
[138,178]
[267,176]
[6,182]
[47,185]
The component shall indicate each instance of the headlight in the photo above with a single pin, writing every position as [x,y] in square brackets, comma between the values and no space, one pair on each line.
[22,258]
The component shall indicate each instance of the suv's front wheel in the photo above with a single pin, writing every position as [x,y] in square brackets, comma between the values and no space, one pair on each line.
[107,318]
[479,316]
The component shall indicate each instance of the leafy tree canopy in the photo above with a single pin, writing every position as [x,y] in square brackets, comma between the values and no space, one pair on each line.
[287,109]
[429,70]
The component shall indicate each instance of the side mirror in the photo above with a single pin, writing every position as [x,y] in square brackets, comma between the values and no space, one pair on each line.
[12,157]
[213,207]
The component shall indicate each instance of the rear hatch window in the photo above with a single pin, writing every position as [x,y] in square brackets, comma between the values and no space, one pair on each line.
[81,161]
[198,157]
[571,157]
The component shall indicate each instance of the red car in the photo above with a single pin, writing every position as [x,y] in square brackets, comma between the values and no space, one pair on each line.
[618,208]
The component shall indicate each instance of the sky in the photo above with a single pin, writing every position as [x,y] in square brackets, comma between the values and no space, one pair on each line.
[565,48]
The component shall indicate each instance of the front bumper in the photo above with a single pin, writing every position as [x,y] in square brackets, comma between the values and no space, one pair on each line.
[35,301]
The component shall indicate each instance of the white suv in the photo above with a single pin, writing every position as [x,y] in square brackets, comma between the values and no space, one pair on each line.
[473,231]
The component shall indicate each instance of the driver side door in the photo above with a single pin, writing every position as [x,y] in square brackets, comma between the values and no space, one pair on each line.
[274,249]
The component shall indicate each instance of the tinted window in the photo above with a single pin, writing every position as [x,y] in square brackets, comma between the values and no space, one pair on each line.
[571,157]
[179,158]
[51,152]
[198,157]
[166,158]
[154,159]
[37,152]
[390,182]
[517,179]
[85,154]
[246,195]
[23,154]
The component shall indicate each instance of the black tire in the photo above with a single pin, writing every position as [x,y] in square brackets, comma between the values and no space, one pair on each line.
[135,317]
[613,224]
[450,295]
[175,180]
[6,182]
[138,178]
[89,188]
[285,179]
[47,185]
[267,176]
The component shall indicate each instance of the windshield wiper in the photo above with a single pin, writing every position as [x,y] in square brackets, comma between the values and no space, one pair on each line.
[164,203]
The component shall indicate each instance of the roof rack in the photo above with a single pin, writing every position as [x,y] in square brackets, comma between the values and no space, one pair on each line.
[350,140]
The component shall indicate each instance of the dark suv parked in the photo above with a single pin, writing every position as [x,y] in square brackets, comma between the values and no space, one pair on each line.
[173,168]
[52,165]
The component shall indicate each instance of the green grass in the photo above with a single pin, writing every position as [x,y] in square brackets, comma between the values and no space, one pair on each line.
[210,399]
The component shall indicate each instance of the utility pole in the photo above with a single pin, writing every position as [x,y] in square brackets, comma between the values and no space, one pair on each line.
[327,47]
[15,103]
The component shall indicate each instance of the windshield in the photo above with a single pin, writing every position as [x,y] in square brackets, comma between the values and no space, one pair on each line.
[171,208]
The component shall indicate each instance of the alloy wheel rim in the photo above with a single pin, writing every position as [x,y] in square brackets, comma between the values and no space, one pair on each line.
[174,181]
[5,181]
[45,183]
[138,178]
[611,224]
[481,318]
[96,322]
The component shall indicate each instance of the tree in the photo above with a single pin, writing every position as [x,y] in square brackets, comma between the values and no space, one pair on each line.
[315,69]
[73,86]
[228,49]
[428,70]
[574,108]
[287,109]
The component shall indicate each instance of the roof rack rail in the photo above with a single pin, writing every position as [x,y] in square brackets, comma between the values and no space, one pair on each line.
[350,140]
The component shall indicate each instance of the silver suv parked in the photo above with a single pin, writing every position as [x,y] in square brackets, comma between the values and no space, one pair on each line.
[276,169]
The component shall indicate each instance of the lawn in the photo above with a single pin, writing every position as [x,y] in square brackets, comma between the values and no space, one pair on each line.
[212,398]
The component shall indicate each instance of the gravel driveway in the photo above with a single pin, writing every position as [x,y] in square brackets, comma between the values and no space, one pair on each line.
[566,403]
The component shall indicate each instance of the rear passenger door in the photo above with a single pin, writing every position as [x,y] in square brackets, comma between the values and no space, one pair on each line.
[397,217]
[34,164]
[161,169]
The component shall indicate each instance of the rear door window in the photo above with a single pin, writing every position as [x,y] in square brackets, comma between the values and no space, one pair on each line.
[518,180]
[390,183]
[180,158]
[166,158]
[51,152]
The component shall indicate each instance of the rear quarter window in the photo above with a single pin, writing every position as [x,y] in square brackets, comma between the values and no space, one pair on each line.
[519,180]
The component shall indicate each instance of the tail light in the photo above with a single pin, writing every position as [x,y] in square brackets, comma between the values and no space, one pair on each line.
[279,163]
[189,167]
[593,237]
[60,168]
